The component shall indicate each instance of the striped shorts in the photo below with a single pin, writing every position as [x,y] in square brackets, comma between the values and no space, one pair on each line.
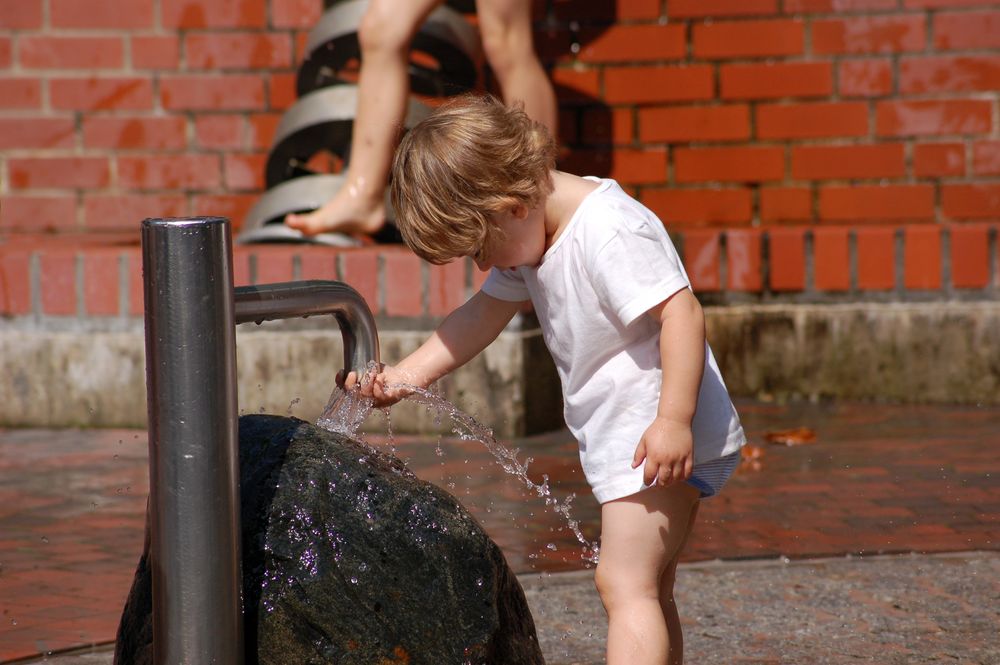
[709,477]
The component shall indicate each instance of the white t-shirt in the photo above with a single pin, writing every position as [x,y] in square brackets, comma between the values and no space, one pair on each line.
[611,264]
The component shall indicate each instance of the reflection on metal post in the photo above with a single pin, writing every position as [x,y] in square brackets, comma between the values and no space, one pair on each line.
[194,467]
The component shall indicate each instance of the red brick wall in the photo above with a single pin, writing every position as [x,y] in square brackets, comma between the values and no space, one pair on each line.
[797,148]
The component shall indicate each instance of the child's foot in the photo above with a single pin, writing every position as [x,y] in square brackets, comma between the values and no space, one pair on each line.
[341,214]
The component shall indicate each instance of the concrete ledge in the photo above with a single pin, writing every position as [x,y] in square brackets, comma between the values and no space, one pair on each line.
[903,352]
[919,352]
[97,379]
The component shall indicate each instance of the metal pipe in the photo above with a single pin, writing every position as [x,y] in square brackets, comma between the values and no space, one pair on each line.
[285,300]
[191,310]
[193,455]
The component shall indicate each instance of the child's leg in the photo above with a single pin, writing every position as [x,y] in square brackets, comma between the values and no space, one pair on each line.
[641,537]
[509,47]
[667,604]
[386,30]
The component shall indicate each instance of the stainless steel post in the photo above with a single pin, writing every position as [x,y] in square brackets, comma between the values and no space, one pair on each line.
[194,467]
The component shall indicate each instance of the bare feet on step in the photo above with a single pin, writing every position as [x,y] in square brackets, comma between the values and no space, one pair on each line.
[344,213]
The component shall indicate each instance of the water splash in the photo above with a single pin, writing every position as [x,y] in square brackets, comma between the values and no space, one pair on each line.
[347,410]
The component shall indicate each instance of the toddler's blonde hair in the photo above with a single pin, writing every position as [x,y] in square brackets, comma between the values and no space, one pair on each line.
[470,159]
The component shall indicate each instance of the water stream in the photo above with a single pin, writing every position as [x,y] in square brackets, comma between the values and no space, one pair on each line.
[347,411]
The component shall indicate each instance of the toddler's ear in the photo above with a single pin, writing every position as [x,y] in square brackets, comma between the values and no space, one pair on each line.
[520,211]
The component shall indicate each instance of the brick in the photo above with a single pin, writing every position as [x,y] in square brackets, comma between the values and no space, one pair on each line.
[604,125]
[945,4]
[241,265]
[217,92]
[199,172]
[776,80]
[967,30]
[830,6]
[700,207]
[20,94]
[38,214]
[219,131]
[161,52]
[709,8]
[934,160]
[21,15]
[136,297]
[819,120]
[869,34]
[748,39]
[977,201]
[15,281]
[922,257]
[986,158]
[970,257]
[44,52]
[36,133]
[446,288]
[102,94]
[243,171]
[831,259]
[274,263]
[933,117]
[786,259]
[102,14]
[569,126]
[569,10]
[404,292]
[359,268]
[59,172]
[57,281]
[302,14]
[633,43]
[281,90]
[864,78]
[238,50]
[187,14]
[233,206]
[701,259]
[743,248]
[876,251]
[6,52]
[738,164]
[875,202]
[262,129]
[318,262]
[641,166]
[786,204]
[100,281]
[918,75]
[640,85]
[681,124]
[574,84]
[135,132]
[848,162]
[125,212]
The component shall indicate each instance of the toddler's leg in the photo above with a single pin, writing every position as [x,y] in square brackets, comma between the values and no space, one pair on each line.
[641,537]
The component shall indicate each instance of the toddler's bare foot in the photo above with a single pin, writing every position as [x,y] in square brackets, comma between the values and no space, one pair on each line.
[341,214]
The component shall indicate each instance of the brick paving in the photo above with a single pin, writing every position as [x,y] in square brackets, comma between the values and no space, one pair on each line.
[878,479]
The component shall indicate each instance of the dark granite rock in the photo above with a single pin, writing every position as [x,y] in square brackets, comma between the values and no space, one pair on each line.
[350,559]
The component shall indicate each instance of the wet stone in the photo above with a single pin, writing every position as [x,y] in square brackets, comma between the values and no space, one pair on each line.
[348,558]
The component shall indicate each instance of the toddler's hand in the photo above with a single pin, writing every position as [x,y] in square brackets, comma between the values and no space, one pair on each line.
[667,448]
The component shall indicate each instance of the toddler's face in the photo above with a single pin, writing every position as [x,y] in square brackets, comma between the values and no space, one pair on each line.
[522,242]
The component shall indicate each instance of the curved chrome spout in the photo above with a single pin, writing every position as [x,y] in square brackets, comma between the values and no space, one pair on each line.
[286,300]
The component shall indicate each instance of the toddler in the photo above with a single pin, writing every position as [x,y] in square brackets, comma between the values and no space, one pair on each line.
[643,395]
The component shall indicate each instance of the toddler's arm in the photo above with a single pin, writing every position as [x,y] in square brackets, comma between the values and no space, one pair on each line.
[460,337]
[667,444]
